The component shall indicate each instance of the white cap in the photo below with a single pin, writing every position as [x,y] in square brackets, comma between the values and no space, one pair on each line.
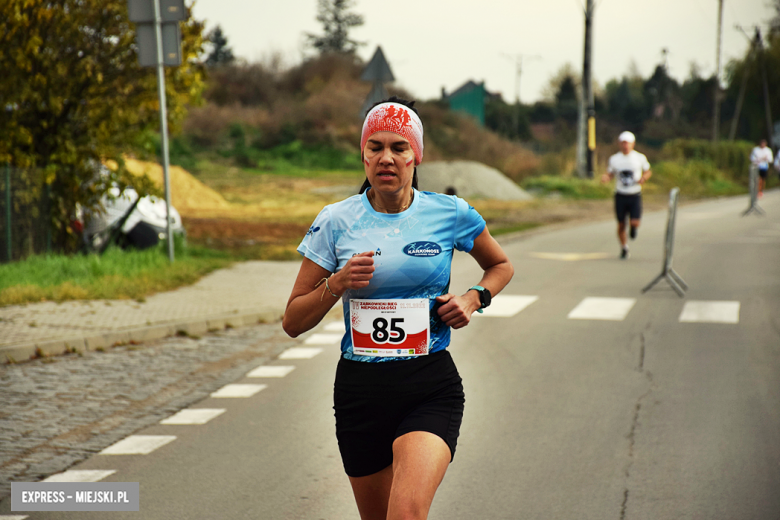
[627,137]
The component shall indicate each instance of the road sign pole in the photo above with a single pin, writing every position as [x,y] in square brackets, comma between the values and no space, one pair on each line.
[163,125]
[8,236]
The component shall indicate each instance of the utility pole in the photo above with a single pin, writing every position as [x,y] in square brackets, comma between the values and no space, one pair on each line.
[767,106]
[756,49]
[586,129]
[716,104]
[743,86]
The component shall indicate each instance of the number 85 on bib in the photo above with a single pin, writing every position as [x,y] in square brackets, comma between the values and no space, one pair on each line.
[390,328]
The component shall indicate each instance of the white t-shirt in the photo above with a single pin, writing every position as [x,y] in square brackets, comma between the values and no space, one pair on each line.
[761,157]
[628,169]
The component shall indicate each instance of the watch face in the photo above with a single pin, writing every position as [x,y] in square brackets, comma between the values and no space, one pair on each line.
[486,297]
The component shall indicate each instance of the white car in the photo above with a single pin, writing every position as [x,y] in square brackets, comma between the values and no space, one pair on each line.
[143,227]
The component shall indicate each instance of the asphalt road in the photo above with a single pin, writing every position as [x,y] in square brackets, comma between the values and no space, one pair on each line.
[652,414]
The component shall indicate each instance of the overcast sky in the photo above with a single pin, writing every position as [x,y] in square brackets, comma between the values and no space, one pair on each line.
[432,44]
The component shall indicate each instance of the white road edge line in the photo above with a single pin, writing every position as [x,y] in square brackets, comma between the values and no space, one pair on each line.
[323,339]
[138,445]
[335,326]
[238,391]
[271,371]
[193,416]
[300,353]
[80,475]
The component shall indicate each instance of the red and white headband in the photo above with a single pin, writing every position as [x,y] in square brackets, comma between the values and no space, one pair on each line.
[396,118]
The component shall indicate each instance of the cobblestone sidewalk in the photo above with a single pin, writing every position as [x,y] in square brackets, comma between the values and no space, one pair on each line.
[60,410]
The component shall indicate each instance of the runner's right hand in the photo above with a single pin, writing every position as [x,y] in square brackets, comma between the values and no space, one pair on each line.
[356,274]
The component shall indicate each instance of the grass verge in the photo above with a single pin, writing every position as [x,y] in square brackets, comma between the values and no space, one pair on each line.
[117,274]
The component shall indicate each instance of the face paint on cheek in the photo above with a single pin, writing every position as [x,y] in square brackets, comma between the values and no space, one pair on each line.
[366,161]
[410,161]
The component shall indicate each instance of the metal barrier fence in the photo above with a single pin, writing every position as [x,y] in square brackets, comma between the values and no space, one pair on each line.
[24,214]
[667,272]
[754,193]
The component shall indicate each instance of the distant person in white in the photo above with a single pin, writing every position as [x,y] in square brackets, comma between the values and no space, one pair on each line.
[761,158]
[630,170]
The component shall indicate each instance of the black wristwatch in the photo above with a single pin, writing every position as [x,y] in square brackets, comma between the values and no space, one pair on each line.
[484,296]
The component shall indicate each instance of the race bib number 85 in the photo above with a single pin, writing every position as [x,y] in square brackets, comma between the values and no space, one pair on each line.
[390,328]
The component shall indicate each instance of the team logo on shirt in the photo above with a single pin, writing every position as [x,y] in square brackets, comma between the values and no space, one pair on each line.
[312,230]
[627,177]
[422,249]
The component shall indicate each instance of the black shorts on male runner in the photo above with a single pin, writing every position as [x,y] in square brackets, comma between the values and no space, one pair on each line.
[628,205]
[763,172]
[376,403]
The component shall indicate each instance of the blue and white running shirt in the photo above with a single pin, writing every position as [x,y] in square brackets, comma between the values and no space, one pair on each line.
[412,251]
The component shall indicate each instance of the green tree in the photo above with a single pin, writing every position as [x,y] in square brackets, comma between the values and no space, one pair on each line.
[752,119]
[220,53]
[336,22]
[72,95]
[510,121]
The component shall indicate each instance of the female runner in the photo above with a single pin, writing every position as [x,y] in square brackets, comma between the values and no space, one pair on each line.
[386,253]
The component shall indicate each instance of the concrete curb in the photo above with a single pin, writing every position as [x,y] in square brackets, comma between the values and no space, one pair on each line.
[195,327]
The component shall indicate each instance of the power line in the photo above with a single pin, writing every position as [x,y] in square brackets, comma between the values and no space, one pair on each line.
[518,59]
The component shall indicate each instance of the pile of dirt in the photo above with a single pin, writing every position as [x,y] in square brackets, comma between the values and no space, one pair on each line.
[469,179]
[188,195]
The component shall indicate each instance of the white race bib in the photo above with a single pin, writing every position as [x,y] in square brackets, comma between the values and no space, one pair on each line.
[390,328]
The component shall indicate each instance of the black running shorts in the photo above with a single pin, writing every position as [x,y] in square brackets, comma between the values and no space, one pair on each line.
[763,172]
[630,205]
[376,403]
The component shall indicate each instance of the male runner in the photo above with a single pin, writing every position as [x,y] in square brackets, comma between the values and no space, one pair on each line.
[761,158]
[630,169]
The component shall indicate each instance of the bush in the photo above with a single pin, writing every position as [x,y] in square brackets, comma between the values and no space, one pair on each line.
[731,157]
[695,178]
[308,116]
[570,187]
[295,155]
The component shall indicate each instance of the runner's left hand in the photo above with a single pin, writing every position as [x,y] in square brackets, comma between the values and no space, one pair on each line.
[456,311]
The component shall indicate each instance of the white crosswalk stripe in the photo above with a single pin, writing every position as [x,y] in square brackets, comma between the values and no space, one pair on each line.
[13,517]
[271,371]
[80,475]
[613,309]
[696,311]
[138,445]
[299,353]
[237,391]
[193,416]
[505,306]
